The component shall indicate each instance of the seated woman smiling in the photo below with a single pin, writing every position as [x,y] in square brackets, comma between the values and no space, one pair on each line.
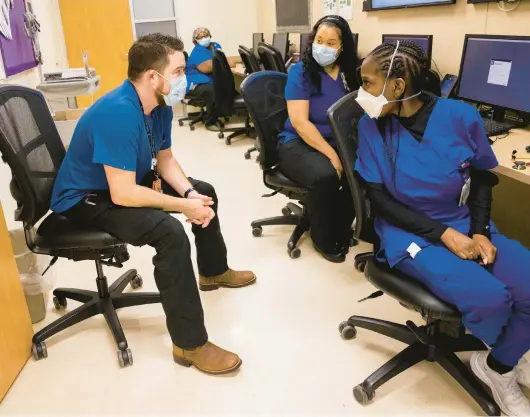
[425,161]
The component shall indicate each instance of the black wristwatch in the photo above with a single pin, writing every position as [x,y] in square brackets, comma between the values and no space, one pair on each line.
[187,193]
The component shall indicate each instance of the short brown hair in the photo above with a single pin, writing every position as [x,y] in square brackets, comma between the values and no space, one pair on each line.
[151,52]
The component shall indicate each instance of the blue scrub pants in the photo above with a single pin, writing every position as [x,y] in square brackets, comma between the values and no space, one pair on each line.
[494,301]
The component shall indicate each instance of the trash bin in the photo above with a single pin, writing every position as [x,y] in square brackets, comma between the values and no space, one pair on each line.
[30,267]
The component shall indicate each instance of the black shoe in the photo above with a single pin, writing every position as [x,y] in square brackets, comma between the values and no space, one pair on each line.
[336,257]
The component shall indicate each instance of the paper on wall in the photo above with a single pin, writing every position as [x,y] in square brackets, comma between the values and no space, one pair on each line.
[330,7]
[346,9]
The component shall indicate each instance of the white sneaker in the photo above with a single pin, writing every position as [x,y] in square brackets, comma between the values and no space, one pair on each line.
[506,392]
[523,372]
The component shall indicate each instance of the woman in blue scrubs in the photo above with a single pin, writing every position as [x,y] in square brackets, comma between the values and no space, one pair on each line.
[199,69]
[425,161]
[307,152]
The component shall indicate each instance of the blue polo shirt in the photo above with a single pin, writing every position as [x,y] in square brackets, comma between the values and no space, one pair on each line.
[111,132]
[199,55]
[299,87]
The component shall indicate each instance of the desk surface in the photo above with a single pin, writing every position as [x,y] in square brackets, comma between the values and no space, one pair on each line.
[518,139]
[239,70]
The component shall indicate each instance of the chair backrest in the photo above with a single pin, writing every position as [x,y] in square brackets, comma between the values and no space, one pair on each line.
[271,58]
[223,84]
[32,147]
[186,56]
[249,60]
[264,97]
[344,117]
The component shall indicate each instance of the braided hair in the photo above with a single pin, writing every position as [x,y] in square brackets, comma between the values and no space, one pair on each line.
[348,60]
[410,62]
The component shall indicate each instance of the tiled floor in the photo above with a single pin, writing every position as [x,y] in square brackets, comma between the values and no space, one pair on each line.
[284,327]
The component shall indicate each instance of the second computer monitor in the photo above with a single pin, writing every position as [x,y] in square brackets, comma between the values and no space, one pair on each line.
[425,41]
[281,42]
[495,70]
[257,38]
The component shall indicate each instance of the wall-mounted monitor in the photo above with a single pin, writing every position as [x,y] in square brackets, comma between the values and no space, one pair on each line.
[424,41]
[373,5]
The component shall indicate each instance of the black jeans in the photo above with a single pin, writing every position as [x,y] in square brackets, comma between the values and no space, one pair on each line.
[174,275]
[206,92]
[329,203]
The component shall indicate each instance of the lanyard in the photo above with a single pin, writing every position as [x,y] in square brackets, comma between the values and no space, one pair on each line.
[150,136]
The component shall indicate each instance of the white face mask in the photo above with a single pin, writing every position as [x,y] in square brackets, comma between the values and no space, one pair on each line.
[178,90]
[205,42]
[372,105]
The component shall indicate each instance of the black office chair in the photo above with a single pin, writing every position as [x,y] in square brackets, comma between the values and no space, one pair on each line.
[31,146]
[271,58]
[194,100]
[227,101]
[264,94]
[433,83]
[443,335]
[249,60]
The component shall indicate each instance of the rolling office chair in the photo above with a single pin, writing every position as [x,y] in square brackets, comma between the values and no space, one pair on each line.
[227,101]
[264,94]
[193,100]
[271,58]
[249,60]
[443,335]
[32,148]
[252,65]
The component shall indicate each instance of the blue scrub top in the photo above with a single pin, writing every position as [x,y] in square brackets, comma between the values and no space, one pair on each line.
[199,55]
[428,175]
[111,132]
[299,87]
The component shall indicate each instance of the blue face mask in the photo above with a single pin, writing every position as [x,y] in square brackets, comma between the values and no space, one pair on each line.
[325,55]
[205,42]
[178,90]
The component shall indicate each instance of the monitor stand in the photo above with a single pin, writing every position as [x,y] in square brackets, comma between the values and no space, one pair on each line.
[498,114]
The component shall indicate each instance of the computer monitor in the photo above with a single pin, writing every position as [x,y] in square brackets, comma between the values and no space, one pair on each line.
[281,42]
[425,41]
[356,43]
[495,70]
[304,40]
[257,38]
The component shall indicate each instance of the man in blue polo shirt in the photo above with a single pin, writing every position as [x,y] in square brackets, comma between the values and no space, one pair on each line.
[199,70]
[119,175]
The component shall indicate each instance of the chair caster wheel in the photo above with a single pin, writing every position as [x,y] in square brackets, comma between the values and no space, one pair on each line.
[60,303]
[347,332]
[192,128]
[353,242]
[362,396]
[257,231]
[39,351]
[359,265]
[221,135]
[137,282]
[228,142]
[125,357]
[181,123]
[295,253]
[286,211]
[247,156]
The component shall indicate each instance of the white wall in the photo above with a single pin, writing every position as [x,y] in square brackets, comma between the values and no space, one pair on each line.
[231,22]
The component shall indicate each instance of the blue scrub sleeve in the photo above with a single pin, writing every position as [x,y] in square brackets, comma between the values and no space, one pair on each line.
[366,164]
[116,141]
[200,55]
[168,125]
[484,157]
[298,87]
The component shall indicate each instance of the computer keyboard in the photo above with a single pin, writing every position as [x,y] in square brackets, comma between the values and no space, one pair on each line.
[494,128]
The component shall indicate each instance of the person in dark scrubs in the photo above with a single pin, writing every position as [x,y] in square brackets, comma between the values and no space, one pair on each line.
[426,162]
[199,72]
[307,151]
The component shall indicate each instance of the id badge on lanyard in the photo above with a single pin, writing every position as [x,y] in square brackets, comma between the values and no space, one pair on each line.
[157,182]
[466,188]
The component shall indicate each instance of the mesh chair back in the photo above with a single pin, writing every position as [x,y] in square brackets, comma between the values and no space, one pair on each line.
[344,117]
[264,97]
[223,84]
[31,146]
[249,60]
[271,58]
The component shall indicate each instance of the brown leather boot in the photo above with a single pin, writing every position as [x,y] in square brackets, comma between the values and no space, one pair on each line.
[230,279]
[210,359]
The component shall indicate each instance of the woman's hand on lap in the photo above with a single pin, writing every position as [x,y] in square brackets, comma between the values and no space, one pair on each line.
[485,249]
[460,244]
